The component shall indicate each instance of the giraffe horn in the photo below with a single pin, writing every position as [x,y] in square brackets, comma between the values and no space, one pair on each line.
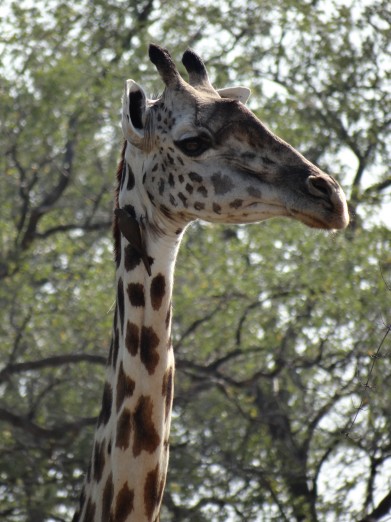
[163,62]
[198,75]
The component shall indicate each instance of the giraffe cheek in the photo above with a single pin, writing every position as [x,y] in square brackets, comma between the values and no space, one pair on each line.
[222,183]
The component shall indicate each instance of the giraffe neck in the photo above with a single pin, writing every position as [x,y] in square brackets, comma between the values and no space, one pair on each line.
[129,464]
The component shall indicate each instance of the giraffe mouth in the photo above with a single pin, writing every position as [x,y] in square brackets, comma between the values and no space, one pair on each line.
[311,221]
[330,220]
[321,204]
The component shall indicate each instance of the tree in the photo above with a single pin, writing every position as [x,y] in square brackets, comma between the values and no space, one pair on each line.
[276,328]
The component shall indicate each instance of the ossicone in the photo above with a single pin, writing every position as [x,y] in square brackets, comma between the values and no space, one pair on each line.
[198,75]
[165,65]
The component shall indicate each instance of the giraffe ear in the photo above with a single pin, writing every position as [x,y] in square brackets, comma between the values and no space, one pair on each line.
[241,94]
[134,107]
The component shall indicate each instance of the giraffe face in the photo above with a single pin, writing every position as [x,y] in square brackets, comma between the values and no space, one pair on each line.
[205,155]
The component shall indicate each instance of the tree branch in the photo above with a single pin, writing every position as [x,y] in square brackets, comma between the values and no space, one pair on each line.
[195,324]
[59,432]
[378,187]
[54,195]
[382,509]
[103,225]
[50,362]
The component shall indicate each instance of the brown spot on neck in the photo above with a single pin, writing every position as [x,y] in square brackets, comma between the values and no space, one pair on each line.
[153,491]
[99,460]
[125,387]
[124,504]
[168,316]
[106,404]
[107,498]
[158,290]
[168,389]
[132,338]
[148,344]
[124,428]
[136,294]
[121,302]
[145,435]
[115,346]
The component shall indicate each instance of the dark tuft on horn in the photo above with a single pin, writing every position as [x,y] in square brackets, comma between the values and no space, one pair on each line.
[195,67]
[163,62]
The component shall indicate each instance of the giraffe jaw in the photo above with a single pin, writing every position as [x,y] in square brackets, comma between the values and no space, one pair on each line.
[334,221]
[328,220]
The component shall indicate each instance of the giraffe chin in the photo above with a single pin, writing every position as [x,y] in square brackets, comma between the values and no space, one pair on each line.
[332,222]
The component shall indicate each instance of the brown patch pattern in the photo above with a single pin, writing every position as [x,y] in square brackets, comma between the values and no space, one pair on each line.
[237,203]
[153,492]
[148,343]
[125,386]
[254,192]
[121,302]
[195,177]
[115,346]
[158,290]
[124,428]
[107,498]
[124,503]
[168,317]
[145,435]
[203,191]
[132,338]
[168,389]
[136,294]
[107,400]
[183,198]
[99,460]
[221,183]
[216,208]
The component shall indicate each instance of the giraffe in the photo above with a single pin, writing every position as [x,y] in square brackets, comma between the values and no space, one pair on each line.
[193,153]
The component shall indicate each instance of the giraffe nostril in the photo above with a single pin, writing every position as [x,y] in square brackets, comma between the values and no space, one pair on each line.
[320,187]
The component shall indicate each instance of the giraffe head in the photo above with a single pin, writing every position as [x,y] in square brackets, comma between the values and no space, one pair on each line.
[198,152]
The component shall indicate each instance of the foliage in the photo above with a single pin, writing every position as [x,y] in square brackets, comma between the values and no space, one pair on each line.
[275,326]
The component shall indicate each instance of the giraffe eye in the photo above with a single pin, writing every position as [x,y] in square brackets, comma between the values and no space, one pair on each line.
[194,146]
